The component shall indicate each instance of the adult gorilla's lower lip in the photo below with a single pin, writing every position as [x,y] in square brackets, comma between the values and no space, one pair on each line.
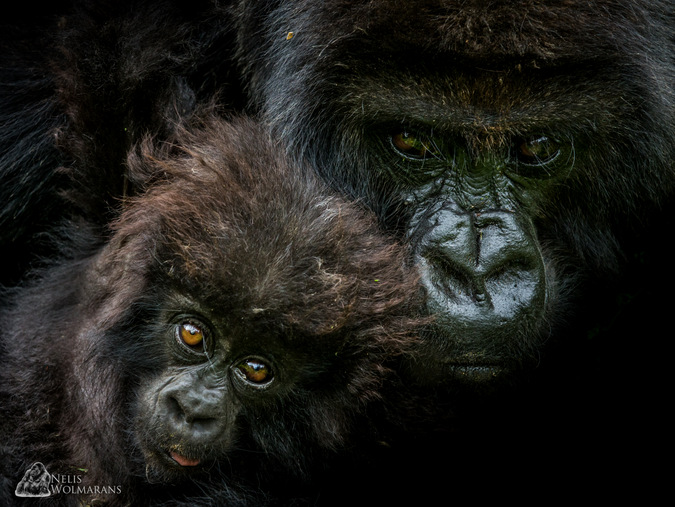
[183,461]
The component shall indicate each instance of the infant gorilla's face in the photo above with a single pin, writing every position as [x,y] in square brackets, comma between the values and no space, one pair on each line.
[225,380]
[193,408]
[275,306]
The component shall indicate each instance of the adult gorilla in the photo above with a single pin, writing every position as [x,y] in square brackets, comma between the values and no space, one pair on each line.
[520,147]
[513,143]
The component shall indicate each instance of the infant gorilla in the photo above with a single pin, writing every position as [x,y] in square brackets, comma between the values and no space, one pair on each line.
[238,323]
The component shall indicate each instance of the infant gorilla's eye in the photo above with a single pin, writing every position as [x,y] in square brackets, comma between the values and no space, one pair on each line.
[191,334]
[537,150]
[255,371]
[414,147]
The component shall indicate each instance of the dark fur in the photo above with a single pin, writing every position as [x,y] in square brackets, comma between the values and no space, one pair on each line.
[598,72]
[81,83]
[275,262]
[602,70]
[354,66]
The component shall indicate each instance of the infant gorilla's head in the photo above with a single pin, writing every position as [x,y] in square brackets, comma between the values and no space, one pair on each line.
[252,311]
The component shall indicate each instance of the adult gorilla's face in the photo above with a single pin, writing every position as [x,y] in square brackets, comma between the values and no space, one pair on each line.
[504,142]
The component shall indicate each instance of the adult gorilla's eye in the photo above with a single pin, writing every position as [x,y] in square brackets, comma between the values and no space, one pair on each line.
[537,151]
[190,334]
[413,147]
[255,371]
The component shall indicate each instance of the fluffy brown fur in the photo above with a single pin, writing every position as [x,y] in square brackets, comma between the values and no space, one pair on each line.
[274,264]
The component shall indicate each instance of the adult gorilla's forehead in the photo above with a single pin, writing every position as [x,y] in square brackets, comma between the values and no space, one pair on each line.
[476,29]
[448,95]
[502,66]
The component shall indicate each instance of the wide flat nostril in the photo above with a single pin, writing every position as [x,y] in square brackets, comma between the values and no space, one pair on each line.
[488,261]
[450,264]
[457,280]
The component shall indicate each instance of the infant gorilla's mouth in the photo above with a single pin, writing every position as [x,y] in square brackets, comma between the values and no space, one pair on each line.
[166,466]
[183,460]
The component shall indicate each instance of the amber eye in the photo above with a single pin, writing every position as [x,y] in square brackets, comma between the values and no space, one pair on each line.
[255,371]
[190,334]
[413,147]
[537,151]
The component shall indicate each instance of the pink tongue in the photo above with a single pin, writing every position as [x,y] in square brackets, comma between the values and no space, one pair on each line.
[183,461]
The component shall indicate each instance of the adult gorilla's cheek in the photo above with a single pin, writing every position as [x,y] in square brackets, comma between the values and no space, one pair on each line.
[487,287]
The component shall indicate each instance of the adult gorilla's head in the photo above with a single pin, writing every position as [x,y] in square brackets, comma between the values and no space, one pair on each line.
[510,142]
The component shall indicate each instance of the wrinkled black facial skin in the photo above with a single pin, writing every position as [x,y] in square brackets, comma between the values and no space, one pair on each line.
[515,147]
[484,272]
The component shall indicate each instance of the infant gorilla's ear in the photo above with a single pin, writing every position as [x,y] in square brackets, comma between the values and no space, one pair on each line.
[234,332]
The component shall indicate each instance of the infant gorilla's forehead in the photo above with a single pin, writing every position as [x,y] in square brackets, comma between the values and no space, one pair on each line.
[229,220]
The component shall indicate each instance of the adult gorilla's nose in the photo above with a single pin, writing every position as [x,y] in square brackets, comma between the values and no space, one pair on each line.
[482,271]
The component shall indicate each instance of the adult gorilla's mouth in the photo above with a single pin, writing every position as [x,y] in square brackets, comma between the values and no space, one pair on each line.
[480,362]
